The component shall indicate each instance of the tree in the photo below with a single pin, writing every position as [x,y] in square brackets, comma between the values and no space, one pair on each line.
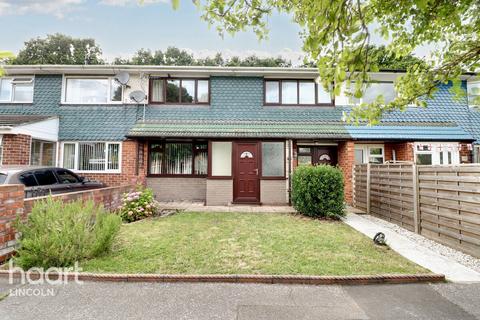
[59,49]
[336,35]
[176,57]
[4,56]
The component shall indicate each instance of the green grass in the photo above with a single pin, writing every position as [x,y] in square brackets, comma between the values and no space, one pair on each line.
[240,243]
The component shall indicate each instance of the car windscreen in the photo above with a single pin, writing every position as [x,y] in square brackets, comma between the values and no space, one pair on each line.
[3,177]
[45,177]
[28,179]
[65,176]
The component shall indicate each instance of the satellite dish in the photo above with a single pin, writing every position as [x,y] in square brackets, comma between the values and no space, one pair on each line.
[138,96]
[122,77]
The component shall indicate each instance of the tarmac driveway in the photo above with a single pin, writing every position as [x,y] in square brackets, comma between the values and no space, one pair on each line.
[97,300]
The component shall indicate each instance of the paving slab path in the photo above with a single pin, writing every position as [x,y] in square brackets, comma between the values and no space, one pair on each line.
[116,300]
[413,251]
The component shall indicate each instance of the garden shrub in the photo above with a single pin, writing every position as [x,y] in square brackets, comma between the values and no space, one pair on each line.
[318,191]
[56,234]
[138,205]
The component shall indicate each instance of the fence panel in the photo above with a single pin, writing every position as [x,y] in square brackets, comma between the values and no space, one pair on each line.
[449,204]
[440,202]
[360,187]
[391,193]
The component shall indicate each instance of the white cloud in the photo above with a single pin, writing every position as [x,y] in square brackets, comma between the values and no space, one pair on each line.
[122,3]
[57,8]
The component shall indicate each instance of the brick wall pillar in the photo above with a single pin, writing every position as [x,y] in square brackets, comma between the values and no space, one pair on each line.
[466,155]
[16,149]
[11,205]
[403,151]
[346,162]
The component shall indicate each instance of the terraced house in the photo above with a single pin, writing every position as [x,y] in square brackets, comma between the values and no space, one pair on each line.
[219,135]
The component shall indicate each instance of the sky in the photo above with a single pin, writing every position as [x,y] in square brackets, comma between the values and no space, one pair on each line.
[121,27]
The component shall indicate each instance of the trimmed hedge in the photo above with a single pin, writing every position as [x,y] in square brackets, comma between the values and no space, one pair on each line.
[318,191]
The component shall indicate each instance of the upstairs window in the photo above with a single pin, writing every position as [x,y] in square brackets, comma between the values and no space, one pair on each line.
[179,91]
[473,90]
[92,90]
[296,92]
[16,89]
[373,90]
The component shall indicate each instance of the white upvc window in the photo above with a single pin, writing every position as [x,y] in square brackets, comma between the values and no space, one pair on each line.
[92,157]
[91,90]
[369,153]
[1,149]
[476,154]
[16,89]
[372,90]
[437,153]
[473,91]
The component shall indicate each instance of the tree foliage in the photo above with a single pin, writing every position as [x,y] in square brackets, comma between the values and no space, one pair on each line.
[337,35]
[59,49]
[176,57]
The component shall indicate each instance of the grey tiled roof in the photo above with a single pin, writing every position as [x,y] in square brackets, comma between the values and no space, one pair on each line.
[237,101]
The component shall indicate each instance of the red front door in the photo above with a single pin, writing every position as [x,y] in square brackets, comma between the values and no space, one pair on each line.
[246,182]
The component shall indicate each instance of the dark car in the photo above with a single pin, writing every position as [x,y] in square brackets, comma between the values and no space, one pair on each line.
[41,181]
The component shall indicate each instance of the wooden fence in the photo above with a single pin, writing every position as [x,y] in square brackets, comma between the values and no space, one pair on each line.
[440,202]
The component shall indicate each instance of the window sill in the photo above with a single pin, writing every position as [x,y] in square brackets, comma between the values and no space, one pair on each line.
[15,102]
[175,176]
[273,178]
[95,104]
[276,105]
[96,172]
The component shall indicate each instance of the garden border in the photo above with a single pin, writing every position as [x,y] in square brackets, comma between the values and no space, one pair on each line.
[235,278]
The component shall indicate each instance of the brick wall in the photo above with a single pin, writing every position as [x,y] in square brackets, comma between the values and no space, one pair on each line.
[12,204]
[466,155]
[129,167]
[178,188]
[403,151]
[346,162]
[274,192]
[16,149]
[219,192]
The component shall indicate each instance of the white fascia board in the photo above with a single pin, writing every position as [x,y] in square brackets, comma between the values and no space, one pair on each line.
[43,130]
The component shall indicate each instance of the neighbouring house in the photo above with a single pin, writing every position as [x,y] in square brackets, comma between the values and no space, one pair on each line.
[214,134]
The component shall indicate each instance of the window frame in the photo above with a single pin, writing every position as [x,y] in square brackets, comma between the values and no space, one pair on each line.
[365,147]
[109,94]
[42,142]
[12,91]
[298,104]
[350,99]
[194,152]
[476,153]
[1,149]
[76,159]
[435,152]
[471,104]
[262,177]
[210,161]
[164,79]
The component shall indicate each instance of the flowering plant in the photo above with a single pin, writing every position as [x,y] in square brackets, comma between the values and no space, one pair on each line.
[137,205]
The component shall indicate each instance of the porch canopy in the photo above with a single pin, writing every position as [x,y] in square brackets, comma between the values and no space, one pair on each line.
[37,126]
[239,129]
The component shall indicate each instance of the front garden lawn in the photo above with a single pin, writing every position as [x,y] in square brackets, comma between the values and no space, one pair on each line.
[240,243]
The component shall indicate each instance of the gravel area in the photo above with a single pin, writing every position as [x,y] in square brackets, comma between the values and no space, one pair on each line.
[460,257]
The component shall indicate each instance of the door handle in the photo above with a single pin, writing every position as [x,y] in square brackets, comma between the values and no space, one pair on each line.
[256,171]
